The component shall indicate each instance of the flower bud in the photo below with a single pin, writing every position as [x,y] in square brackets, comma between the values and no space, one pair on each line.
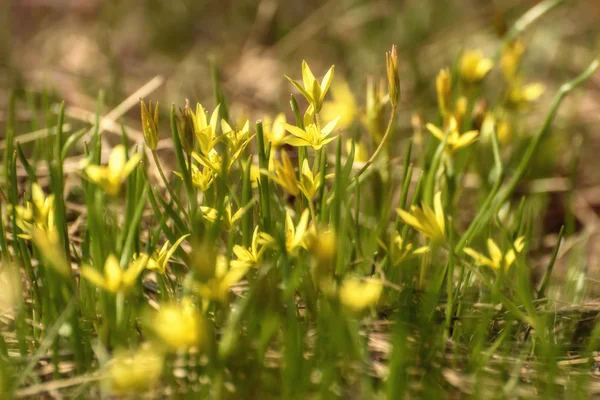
[185,123]
[391,62]
[443,86]
[150,124]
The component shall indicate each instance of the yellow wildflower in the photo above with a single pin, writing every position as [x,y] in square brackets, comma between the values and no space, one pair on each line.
[497,260]
[400,250]
[356,294]
[130,372]
[237,140]
[201,179]
[313,91]
[312,135]
[150,124]
[248,257]
[343,105]
[211,214]
[511,58]
[159,259]
[474,66]
[443,86]
[179,325]
[284,174]
[39,213]
[275,131]
[110,177]
[205,131]
[217,287]
[295,235]
[455,139]
[114,278]
[430,223]
[520,96]
[309,184]
[360,151]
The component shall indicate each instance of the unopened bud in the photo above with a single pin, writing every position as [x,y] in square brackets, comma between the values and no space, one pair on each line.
[150,124]
[391,61]
[443,86]
[186,128]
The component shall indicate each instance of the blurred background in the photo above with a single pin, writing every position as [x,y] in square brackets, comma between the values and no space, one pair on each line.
[72,49]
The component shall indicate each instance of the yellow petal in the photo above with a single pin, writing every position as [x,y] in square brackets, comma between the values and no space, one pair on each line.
[494,250]
[113,273]
[330,126]
[435,131]
[307,76]
[116,160]
[357,294]
[327,79]
[92,275]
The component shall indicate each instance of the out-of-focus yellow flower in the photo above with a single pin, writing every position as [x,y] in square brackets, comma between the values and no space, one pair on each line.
[211,214]
[322,245]
[455,139]
[205,131]
[474,66]
[131,372]
[284,174]
[309,183]
[393,75]
[150,124]
[179,325]
[10,288]
[39,213]
[520,96]
[497,259]
[114,278]
[248,257]
[237,140]
[511,59]
[504,130]
[312,135]
[373,116]
[111,176]
[400,250]
[217,287]
[295,235]
[201,179]
[275,131]
[343,105]
[432,224]
[460,110]
[356,294]
[443,86]
[159,259]
[313,91]
[360,151]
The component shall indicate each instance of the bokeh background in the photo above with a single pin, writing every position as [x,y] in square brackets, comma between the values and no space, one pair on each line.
[72,49]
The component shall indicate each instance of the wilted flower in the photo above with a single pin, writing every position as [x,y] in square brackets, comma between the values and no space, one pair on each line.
[313,91]
[114,278]
[455,139]
[312,135]
[356,294]
[497,260]
[474,66]
[110,177]
[430,223]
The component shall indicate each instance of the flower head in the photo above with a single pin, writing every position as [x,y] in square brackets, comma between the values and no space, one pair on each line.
[284,174]
[150,124]
[497,259]
[356,294]
[343,105]
[114,278]
[309,184]
[427,221]
[159,259]
[205,131]
[474,66]
[520,96]
[312,90]
[237,140]
[400,251]
[110,177]
[211,214]
[511,58]
[179,325]
[202,179]
[250,256]
[274,131]
[312,135]
[295,235]
[455,139]
[130,372]
[226,275]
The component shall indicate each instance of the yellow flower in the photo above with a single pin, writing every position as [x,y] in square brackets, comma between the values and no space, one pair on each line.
[312,135]
[360,151]
[130,372]
[236,140]
[284,174]
[430,223]
[179,325]
[455,139]
[110,177]
[400,250]
[520,96]
[39,214]
[313,91]
[43,206]
[211,214]
[443,86]
[474,66]
[275,131]
[511,58]
[497,260]
[201,179]
[217,287]
[205,131]
[159,259]
[150,124]
[294,235]
[356,294]
[248,257]
[115,279]
[309,184]
[343,105]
